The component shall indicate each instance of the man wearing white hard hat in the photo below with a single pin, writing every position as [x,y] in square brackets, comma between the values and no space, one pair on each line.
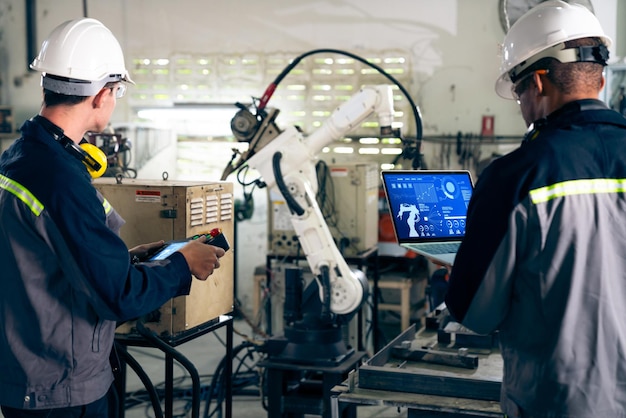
[67,277]
[544,258]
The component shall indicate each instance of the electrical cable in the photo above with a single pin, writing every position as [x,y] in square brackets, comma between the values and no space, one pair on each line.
[326,313]
[129,360]
[269,91]
[293,205]
[168,350]
[415,154]
[217,387]
[326,193]
[326,200]
[245,169]
[181,393]
[255,328]
[242,379]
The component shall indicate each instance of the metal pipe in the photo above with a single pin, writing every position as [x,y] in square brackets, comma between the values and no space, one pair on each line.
[31,31]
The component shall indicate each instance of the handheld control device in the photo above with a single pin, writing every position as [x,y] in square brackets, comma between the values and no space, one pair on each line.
[214,237]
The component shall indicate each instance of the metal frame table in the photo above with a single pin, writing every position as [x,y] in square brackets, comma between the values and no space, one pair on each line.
[167,344]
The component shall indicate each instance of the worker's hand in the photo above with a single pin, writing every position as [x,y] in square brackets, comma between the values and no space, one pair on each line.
[141,252]
[202,258]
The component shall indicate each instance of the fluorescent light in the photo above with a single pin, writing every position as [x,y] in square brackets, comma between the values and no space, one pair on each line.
[369,140]
[391,151]
[209,120]
[343,150]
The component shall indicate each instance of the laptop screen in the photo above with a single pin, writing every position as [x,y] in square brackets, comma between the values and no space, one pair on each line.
[428,205]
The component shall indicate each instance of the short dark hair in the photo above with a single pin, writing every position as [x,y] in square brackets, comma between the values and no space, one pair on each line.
[51,99]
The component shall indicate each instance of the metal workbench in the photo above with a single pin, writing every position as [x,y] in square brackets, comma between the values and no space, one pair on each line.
[425,388]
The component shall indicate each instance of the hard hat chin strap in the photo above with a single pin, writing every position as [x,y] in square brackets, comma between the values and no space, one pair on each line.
[598,54]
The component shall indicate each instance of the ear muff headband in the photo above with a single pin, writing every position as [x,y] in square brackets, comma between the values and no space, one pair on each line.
[93,157]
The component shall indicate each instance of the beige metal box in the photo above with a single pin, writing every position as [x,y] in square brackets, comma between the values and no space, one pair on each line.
[170,210]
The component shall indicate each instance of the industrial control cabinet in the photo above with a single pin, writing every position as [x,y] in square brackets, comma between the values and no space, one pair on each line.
[350,208]
[169,210]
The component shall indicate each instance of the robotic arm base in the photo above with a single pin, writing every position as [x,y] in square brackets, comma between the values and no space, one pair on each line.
[308,337]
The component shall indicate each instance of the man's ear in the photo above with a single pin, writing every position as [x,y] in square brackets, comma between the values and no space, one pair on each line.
[99,99]
[541,88]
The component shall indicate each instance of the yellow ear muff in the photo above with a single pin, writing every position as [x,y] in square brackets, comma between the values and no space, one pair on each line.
[94,159]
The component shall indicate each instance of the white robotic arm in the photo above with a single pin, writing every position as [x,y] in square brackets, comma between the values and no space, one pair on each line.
[288,162]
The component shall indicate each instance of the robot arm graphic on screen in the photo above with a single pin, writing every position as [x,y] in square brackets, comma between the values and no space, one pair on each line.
[412,219]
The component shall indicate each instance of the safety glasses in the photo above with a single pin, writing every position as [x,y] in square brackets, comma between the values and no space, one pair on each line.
[120,90]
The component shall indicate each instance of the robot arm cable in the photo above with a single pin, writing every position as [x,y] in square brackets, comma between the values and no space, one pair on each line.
[269,91]
[326,313]
[280,183]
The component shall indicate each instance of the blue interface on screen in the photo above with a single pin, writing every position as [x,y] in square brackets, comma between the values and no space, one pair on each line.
[169,250]
[427,205]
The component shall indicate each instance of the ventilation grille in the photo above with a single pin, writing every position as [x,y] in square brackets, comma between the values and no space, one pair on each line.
[213,207]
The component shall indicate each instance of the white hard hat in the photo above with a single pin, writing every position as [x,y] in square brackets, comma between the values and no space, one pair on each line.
[540,33]
[79,57]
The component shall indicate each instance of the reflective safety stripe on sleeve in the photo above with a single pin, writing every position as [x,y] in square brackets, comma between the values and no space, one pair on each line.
[107,206]
[21,193]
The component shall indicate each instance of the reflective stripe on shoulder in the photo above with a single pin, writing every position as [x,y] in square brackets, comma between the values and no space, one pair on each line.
[106,205]
[21,193]
[574,187]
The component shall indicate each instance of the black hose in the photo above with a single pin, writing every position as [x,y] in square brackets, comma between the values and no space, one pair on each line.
[217,384]
[143,376]
[167,349]
[293,205]
[283,74]
[325,279]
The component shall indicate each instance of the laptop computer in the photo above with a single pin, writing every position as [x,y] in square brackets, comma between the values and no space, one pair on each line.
[428,209]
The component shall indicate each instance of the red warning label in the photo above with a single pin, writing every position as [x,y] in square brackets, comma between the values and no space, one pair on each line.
[148,196]
[339,171]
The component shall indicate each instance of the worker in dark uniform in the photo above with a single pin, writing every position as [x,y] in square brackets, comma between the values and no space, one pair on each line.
[544,256]
[67,277]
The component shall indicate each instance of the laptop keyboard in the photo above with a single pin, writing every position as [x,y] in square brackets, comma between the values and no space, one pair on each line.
[440,247]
